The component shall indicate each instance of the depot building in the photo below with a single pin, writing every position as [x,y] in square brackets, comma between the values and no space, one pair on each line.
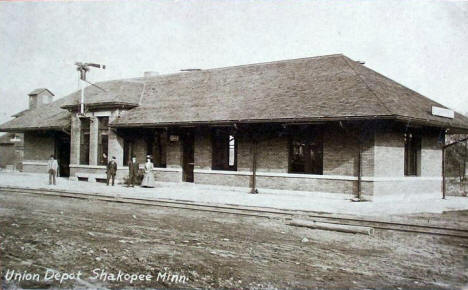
[320,124]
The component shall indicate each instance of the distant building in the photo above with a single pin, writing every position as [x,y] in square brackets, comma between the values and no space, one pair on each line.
[11,151]
[320,124]
[12,144]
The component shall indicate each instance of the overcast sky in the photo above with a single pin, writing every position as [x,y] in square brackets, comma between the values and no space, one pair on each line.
[420,44]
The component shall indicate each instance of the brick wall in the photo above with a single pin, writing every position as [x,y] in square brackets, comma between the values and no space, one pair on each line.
[387,177]
[174,154]
[93,140]
[306,184]
[340,152]
[160,174]
[116,143]
[272,157]
[244,153]
[273,154]
[202,149]
[75,135]
[38,146]
[431,156]
[214,178]
[389,154]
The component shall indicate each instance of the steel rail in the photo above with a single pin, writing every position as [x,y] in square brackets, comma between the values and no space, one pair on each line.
[253,212]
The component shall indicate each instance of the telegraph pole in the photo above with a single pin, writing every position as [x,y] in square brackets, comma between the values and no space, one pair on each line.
[83,68]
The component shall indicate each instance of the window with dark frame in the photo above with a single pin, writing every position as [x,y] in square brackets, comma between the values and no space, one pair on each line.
[84,141]
[412,153]
[103,140]
[306,152]
[224,154]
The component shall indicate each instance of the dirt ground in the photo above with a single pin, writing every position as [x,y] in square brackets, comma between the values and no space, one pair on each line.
[212,249]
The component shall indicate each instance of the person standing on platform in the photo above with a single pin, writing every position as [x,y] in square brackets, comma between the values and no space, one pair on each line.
[133,168]
[111,170]
[52,167]
[148,179]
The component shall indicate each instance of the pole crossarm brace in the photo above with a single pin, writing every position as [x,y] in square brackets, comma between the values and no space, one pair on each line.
[456,142]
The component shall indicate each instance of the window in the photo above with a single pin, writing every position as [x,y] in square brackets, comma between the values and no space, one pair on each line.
[306,152]
[84,141]
[103,140]
[224,150]
[412,154]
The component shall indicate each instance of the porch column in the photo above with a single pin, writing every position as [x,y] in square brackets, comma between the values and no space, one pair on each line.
[75,136]
[93,140]
[116,143]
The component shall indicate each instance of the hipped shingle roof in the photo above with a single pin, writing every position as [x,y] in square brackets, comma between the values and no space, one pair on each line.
[318,88]
[330,87]
[54,116]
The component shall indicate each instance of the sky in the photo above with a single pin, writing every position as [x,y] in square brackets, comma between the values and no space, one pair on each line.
[421,44]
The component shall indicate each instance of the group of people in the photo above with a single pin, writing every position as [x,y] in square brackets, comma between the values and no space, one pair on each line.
[133,172]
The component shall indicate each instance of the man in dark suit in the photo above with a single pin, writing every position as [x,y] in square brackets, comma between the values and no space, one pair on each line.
[111,170]
[133,168]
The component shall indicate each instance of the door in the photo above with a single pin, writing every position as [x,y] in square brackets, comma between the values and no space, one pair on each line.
[188,156]
[62,153]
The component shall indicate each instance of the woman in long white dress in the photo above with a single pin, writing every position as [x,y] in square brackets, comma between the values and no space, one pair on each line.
[148,178]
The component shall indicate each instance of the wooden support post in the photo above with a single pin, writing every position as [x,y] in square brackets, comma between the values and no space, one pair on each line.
[254,165]
[443,172]
[359,173]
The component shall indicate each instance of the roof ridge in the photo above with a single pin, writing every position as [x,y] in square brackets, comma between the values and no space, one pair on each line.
[411,90]
[367,85]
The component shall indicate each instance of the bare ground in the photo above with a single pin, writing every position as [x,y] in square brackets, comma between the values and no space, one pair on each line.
[214,249]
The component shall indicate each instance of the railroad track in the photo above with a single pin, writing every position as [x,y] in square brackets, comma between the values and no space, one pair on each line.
[254,212]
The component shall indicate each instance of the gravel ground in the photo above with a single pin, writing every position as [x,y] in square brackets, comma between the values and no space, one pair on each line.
[67,235]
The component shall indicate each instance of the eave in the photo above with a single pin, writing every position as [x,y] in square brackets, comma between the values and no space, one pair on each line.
[103,105]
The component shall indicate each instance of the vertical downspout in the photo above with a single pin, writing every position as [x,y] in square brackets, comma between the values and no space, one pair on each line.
[359,173]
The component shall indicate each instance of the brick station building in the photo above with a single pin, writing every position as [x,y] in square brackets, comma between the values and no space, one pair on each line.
[320,124]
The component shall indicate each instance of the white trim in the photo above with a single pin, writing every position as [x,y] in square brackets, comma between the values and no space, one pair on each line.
[401,178]
[308,176]
[34,163]
[224,172]
[88,166]
[276,174]
[167,169]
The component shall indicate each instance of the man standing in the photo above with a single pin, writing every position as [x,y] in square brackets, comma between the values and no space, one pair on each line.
[52,167]
[111,170]
[133,168]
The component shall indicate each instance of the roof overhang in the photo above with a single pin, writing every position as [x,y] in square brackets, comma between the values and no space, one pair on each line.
[102,105]
[409,120]
[452,128]
[249,121]
[29,129]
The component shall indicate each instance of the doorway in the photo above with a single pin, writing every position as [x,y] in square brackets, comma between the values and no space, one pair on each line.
[62,154]
[188,156]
